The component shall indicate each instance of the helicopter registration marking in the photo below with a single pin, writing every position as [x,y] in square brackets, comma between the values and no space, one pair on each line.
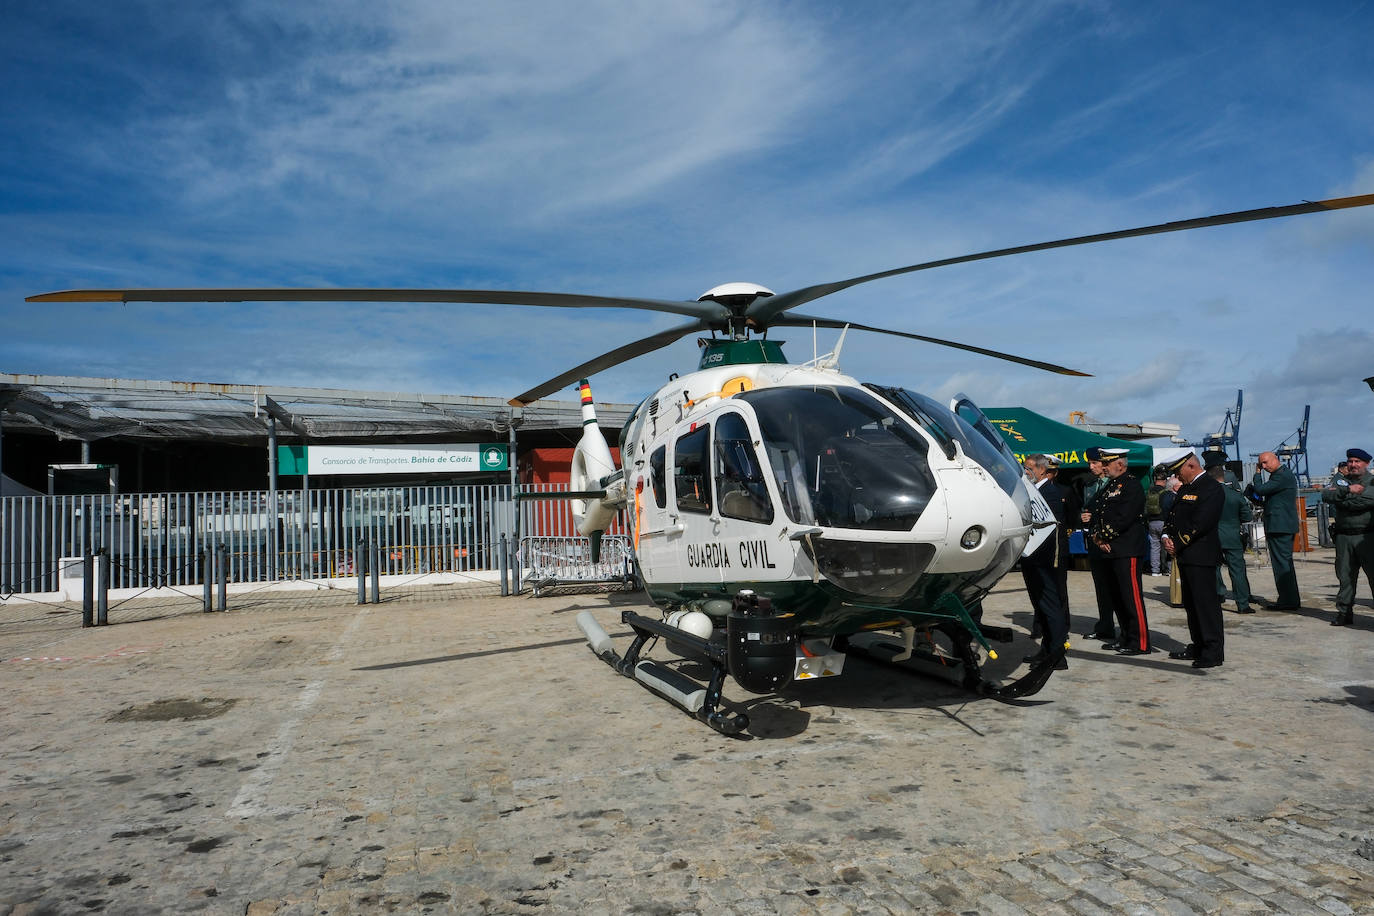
[748,554]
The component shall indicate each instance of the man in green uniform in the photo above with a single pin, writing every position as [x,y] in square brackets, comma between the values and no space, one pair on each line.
[1280,495]
[1352,501]
[1235,512]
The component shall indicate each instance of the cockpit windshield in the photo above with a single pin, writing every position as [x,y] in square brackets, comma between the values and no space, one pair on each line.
[841,459]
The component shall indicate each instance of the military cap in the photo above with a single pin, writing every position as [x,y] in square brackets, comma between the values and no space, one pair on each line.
[1052,461]
[1111,454]
[1173,467]
[1211,459]
[1359,453]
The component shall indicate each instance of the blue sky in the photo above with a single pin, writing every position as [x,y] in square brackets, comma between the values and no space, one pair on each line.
[656,150]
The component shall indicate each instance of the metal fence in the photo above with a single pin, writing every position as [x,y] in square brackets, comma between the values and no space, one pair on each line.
[156,539]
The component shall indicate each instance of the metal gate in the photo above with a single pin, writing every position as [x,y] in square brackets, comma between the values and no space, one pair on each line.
[552,553]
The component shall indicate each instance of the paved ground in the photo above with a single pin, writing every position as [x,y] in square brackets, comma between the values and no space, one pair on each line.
[453,751]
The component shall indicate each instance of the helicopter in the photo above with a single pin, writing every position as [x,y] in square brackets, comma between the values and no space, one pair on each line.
[786,516]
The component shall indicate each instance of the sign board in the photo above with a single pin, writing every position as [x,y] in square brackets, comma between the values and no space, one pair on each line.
[462,458]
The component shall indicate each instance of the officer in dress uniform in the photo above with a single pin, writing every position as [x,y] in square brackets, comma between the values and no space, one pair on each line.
[1116,524]
[1352,499]
[1098,563]
[1190,537]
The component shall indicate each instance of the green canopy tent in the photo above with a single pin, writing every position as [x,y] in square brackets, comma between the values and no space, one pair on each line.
[1027,432]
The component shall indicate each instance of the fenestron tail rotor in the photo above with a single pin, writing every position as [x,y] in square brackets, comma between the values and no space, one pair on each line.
[735,308]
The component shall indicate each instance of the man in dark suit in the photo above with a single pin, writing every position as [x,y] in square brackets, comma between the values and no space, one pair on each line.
[1190,537]
[1280,495]
[1116,524]
[1046,570]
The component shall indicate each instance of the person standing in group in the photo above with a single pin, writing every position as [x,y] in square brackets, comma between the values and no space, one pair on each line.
[1190,537]
[1154,519]
[1280,495]
[1072,510]
[1116,525]
[1352,502]
[1234,514]
[1099,564]
[1045,570]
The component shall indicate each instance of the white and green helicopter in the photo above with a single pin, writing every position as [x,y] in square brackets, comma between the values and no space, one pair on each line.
[782,515]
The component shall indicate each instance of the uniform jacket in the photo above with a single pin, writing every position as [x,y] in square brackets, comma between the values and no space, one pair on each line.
[1054,553]
[1235,512]
[1118,517]
[1192,522]
[1280,494]
[1354,513]
[1091,491]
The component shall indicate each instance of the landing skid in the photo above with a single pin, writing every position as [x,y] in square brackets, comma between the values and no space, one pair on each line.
[757,648]
[700,701]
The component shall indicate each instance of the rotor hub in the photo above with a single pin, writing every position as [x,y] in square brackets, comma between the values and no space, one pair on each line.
[736,298]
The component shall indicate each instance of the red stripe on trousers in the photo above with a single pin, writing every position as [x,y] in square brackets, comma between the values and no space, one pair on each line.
[1139,606]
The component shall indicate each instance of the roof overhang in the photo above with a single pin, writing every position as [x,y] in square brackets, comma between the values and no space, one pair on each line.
[90,409]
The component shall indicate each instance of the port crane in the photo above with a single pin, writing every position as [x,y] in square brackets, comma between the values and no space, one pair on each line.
[1228,435]
[1295,456]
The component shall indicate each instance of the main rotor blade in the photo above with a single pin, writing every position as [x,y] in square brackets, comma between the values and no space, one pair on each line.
[701,310]
[606,360]
[763,311]
[795,320]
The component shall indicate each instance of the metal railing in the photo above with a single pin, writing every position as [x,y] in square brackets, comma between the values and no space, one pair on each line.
[158,539]
[155,539]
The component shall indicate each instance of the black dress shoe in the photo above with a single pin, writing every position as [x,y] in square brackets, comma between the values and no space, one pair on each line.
[1183,655]
[1132,650]
[1245,610]
[1282,607]
[1062,665]
[1344,618]
[1037,658]
[1206,663]
[1112,646]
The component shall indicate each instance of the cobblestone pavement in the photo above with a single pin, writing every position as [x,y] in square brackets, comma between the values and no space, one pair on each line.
[454,751]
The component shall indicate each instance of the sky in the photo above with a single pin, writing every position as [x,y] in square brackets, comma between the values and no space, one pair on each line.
[657,150]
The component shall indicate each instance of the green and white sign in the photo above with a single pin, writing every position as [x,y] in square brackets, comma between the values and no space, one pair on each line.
[461,458]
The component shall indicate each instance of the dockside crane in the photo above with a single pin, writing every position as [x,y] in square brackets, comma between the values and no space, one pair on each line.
[1229,434]
[1295,456]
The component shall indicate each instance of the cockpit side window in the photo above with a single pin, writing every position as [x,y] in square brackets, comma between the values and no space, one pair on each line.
[657,468]
[740,486]
[692,471]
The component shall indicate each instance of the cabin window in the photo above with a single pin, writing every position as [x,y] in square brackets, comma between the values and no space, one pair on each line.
[692,471]
[740,487]
[657,462]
